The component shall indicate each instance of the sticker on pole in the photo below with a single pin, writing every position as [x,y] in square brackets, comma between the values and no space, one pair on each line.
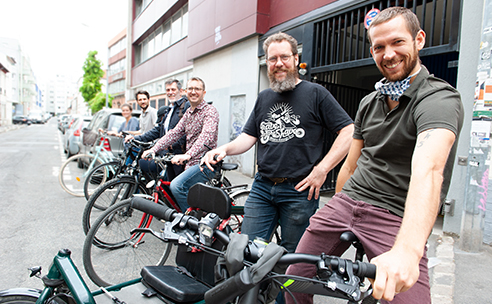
[370,16]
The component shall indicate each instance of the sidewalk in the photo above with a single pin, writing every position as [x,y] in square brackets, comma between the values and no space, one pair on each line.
[456,277]
[4,129]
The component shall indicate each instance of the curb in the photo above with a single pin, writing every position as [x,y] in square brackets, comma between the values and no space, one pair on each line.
[443,279]
[4,129]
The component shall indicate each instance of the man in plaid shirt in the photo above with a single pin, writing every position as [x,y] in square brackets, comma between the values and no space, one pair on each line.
[200,124]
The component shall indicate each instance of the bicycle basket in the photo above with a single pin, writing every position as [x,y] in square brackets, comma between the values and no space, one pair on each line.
[89,137]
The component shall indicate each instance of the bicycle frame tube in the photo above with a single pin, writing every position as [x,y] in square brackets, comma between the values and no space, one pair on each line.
[63,268]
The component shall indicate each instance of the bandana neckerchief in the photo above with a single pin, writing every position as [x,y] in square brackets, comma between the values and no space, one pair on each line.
[394,89]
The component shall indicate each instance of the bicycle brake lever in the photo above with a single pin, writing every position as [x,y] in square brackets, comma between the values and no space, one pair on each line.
[147,230]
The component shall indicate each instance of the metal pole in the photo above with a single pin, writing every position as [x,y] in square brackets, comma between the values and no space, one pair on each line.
[107,80]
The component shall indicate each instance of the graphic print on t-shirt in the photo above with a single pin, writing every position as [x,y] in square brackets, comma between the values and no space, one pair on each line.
[280,125]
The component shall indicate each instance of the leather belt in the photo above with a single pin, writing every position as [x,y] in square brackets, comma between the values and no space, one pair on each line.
[279,180]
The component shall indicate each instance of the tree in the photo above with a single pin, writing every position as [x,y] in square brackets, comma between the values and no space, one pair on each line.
[91,85]
[99,102]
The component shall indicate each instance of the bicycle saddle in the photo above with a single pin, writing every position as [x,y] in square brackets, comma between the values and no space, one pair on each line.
[348,236]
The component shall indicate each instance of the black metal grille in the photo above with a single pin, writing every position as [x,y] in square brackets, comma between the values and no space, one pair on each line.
[340,40]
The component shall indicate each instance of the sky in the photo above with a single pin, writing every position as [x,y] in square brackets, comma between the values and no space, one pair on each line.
[57,35]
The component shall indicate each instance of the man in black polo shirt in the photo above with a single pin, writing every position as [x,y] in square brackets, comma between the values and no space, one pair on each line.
[288,121]
[398,167]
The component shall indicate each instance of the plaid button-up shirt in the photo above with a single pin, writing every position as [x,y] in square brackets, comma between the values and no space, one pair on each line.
[201,128]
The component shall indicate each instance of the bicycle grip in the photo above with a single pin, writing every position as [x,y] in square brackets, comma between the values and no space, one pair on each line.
[157,210]
[230,288]
[366,270]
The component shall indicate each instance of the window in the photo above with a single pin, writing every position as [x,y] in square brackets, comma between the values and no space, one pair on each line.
[173,30]
[176,28]
[117,47]
[140,6]
[117,67]
[166,35]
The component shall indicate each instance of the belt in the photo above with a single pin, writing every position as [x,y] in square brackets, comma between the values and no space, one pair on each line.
[279,180]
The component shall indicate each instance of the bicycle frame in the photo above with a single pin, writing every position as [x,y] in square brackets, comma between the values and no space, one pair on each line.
[100,153]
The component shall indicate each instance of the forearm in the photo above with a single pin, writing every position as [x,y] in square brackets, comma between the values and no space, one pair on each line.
[239,145]
[338,150]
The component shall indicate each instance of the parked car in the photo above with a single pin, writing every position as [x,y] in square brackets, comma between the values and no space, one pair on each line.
[63,121]
[73,134]
[106,119]
[36,118]
[21,119]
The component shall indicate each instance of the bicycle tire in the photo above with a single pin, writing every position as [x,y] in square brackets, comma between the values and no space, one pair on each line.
[72,175]
[18,299]
[99,175]
[238,199]
[110,266]
[108,194]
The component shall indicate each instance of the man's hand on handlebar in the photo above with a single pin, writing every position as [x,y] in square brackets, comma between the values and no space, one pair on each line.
[397,271]
[211,158]
[128,138]
[148,154]
[180,159]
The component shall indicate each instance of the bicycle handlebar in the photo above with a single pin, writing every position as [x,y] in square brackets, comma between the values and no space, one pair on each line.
[241,281]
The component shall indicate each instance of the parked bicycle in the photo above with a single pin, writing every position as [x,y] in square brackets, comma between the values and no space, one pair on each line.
[128,164]
[75,169]
[124,187]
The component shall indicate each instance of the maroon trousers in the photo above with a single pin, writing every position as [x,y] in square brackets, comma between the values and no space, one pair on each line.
[375,227]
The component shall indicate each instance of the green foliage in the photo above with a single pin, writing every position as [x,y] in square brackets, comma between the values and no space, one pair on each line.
[91,85]
[99,102]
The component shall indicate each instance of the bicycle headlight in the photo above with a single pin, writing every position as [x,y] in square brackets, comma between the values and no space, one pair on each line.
[206,228]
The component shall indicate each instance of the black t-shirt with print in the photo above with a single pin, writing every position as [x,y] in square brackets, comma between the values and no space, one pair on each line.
[289,127]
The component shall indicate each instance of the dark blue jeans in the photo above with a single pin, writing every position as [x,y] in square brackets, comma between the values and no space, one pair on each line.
[269,203]
[180,186]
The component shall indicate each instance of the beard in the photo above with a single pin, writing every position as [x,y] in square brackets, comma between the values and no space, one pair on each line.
[409,62]
[288,84]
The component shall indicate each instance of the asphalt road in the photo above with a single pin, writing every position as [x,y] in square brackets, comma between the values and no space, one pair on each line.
[37,217]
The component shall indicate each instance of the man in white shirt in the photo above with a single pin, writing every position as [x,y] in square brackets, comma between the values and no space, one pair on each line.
[148,117]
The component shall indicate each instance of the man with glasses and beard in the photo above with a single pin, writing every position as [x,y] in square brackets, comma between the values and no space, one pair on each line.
[200,125]
[288,122]
[398,168]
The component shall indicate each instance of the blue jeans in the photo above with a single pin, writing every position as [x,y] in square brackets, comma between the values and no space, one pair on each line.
[268,204]
[182,183]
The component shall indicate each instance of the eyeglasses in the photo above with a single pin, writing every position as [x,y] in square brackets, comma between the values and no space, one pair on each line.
[198,90]
[283,58]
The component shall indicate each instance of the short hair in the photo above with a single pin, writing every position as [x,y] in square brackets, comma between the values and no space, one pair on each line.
[127,105]
[195,78]
[279,37]
[411,20]
[142,92]
[171,81]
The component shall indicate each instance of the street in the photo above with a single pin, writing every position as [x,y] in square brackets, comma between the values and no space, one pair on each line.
[37,217]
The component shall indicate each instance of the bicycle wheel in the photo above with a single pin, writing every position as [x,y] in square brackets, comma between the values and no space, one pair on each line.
[124,255]
[238,199]
[18,299]
[108,194]
[73,173]
[99,175]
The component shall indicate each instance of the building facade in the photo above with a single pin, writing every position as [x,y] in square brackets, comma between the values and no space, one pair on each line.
[6,66]
[116,73]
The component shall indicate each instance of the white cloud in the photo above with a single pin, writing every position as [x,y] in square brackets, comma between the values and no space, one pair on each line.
[57,35]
